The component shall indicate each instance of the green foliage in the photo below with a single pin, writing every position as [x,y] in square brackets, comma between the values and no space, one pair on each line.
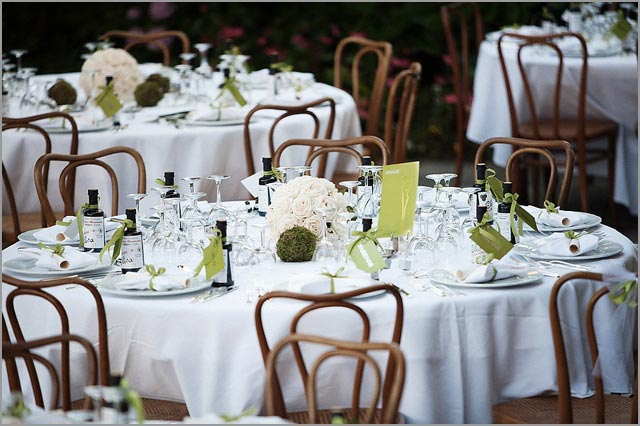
[163,82]
[62,93]
[296,245]
[148,94]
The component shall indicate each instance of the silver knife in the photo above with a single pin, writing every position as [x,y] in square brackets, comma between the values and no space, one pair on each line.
[213,293]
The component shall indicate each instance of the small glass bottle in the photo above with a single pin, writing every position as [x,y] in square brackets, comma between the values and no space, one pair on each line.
[224,278]
[477,254]
[482,197]
[367,223]
[93,224]
[365,179]
[170,180]
[132,258]
[503,217]
[264,197]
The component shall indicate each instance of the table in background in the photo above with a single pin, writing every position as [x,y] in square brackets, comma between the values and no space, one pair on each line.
[463,354]
[612,93]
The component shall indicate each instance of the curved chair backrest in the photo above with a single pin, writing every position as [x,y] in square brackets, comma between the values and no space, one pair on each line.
[153,39]
[38,289]
[11,351]
[564,384]
[542,148]
[369,107]
[461,58]
[340,300]
[288,111]
[31,122]
[73,162]
[401,103]
[393,378]
[322,147]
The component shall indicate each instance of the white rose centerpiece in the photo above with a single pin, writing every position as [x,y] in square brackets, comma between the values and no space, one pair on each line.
[295,202]
[112,62]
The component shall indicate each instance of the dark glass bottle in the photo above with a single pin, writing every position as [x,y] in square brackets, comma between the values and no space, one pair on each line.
[482,196]
[93,224]
[116,116]
[264,197]
[365,179]
[224,278]
[366,224]
[503,216]
[132,253]
[170,180]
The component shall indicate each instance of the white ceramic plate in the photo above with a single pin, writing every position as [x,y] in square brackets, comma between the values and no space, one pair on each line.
[441,276]
[26,266]
[211,123]
[27,237]
[606,248]
[96,128]
[322,287]
[591,221]
[107,286]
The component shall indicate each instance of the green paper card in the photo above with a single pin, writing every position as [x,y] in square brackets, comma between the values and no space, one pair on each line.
[108,101]
[398,204]
[212,259]
[490,240]
[366,256]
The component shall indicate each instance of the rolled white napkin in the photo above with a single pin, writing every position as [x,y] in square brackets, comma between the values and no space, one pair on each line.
[71,258]
[56,233]
[557,220]
[169,281]
[559,245]
[494,270]
[218,114]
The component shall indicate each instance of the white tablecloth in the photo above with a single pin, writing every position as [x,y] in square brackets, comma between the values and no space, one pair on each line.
[188,151]
[462,353]
[612,93]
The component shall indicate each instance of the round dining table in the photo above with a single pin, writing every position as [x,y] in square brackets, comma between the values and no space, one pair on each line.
[612,93]
[188,148]
[464,350]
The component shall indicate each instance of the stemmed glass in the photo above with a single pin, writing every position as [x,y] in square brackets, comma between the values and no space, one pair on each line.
[446,242]
[263,252]
[137,198]
[217,212]
[240,215]
[184,73]
[421,246]
[469,221]
[351,198]
[18,53]
[190,252]
[193,212]
[191,180]
[204,68]
[326,253]
[28,100]
[163,248]
[288,172]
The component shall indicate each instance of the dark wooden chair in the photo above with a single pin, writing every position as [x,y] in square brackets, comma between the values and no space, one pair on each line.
[288,111]
[368,93]
[563,408]
[276,400]
[25,221]
[66,179]
[543,149]
[401,103]
[151,39]
[576,129]
[454,16]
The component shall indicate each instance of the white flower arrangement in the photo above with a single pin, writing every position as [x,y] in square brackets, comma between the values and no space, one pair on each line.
[112,62]
[294,203]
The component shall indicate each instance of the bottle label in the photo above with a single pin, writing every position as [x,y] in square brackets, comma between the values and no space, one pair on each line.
[93,231]
[221,276]
[263,199]
[478,255]
[473,204]
[504,225]
[132,252]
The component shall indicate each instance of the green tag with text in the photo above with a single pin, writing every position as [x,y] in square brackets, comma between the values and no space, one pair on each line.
[489,239]
[108,101]
[366,256]
[212,259]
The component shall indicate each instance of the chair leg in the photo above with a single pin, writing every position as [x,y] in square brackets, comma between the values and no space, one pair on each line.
[611,164]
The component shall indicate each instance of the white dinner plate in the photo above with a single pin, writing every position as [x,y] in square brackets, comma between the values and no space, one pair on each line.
[211,123]
[96,128]
[107,286]
[441,276]
[27,266]
[323,286]
[29,238]
[606,248]
[592,220]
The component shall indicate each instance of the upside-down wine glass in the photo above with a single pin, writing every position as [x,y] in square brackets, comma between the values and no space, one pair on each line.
[136,199]
[263,252]
[18,53]
[420,247]
[204,68]
[218,212]
[326,253]
[352,200]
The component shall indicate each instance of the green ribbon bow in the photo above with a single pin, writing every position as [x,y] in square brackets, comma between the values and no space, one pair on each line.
[57,249]
[622,293]
[79,220]
[326,273]
[161,183]
[107,100]
[523,215]
[572,235]
[133,398]
[492,184]
[212,260]
[154,273]
[550,207]
[277,173]
[488,259]
[364,235]
[489,239]
[228,418]
[230,84]
[116,239]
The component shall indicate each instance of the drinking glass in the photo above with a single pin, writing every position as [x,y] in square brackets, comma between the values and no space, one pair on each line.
[326,253]
[368,206]
[241,214]
[191,180]
[193,213]
[137,198]
[187,57]
[351,198]
[190,252]
[218,212]
[164,247]
[471,202]
[263,253]
[291,172]
[184,91]
[204,68]
[18,53]
[419,254]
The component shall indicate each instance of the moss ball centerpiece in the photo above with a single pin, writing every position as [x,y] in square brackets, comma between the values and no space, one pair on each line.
[296,245]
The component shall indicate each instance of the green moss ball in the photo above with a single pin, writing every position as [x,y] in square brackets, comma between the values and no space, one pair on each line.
[148,94]
[62,93]
[163,82]
[296,245]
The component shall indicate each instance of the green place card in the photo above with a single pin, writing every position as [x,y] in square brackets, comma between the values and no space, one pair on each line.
[490,240]
[108,101]
[366,256]
[398,204]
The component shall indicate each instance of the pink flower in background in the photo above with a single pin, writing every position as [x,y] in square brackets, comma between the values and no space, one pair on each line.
[451,98]
[400,62]
[262,41]
[161,10]
[272,50]
[439,80]
[446,59]
[326,40]
[230,32]
[335,30]
[300,41]
[133,13]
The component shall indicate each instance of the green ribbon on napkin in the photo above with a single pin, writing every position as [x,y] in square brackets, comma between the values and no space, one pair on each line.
[212,260]
[621,28]
[79,221]
[230,84]
[228,418]
[488,259]
[489,239]
[326,273]
[154,273]
[161,183]
[364,251]
[550,207]
[523,215]
[57,249]
[108,101]
[622,293]
[63,223]
[492,184]
[116,239]
[572,235]
[133,398]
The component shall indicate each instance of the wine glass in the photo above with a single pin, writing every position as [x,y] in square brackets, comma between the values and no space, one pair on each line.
[241,214]
[18,53]
[137,198]
[471,202]
[187,57]
[218,212]
[351,198]
[163,248]
[28,100]
[263,252]
[193,212]
[420,247]
[191,180]
[190,252]
[368,201]
[204,68]
[326,253]
[184,88]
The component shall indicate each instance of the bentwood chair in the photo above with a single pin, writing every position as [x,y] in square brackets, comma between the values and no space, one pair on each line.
[575,128]
[543,149]
[365,85]
[155,409]
[462,56]
[563,408]
[65,181]
[21,222]
[360,351]
[321,147]
[285,112]
[156,39]
[401,103]
[341,301]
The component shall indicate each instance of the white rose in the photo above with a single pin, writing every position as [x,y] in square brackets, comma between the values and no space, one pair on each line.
[314,224]
[287,222]
[315,188]
[282,206]
[302,206]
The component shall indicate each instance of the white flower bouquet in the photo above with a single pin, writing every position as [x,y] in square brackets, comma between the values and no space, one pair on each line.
[295,202]
[111,62]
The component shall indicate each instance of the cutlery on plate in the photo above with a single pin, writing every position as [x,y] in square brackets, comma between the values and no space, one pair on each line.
[212,294]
